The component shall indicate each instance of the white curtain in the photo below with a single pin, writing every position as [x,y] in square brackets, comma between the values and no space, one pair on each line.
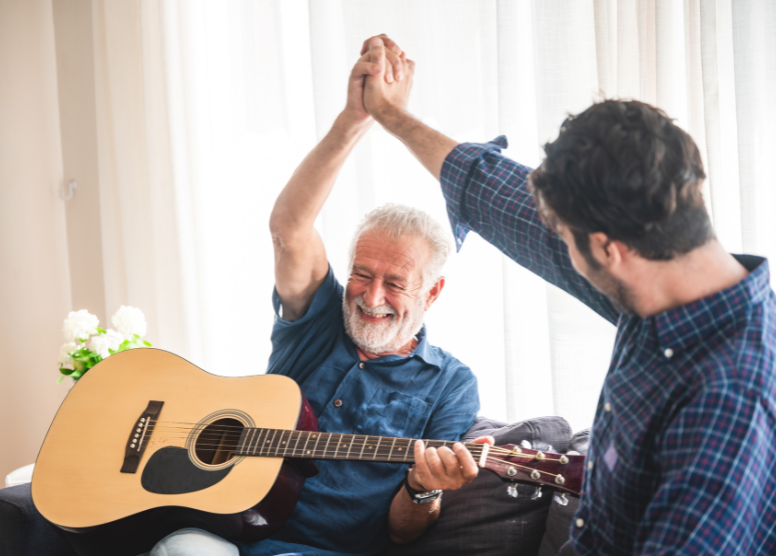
[205,108]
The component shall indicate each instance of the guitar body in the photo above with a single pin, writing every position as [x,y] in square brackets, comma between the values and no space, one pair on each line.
[87,473]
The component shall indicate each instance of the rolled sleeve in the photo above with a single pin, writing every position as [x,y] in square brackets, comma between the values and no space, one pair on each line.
[454,179]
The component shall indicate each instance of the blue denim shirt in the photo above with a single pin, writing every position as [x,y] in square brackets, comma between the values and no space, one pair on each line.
[428,394]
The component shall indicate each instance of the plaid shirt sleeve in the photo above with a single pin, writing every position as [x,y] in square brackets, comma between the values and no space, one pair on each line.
[489,194]
[716,463]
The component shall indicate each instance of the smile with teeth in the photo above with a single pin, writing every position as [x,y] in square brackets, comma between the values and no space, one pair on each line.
[375,315]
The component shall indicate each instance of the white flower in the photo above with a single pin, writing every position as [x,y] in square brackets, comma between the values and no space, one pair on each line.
[101,343]
[79,325]
[129,321]
[65,361]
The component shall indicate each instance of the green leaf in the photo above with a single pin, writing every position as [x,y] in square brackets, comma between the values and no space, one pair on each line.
[100,330]
[148,344]
[60,379]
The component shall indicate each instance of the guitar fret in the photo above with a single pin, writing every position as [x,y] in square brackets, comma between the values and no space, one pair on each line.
[350,447]
[252,438]
[271,442]
[338,445]
[259,441]
[246,440]
[286,442]
[409,443]
[263,442]
[366,441]
[390,454]
[377,448]
[306,442]
[325,448]
[298,438]
[318,439]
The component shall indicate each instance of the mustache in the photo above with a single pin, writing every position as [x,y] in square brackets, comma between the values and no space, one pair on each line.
[381,310]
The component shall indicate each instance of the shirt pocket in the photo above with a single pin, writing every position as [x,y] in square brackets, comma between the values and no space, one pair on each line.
[390,413]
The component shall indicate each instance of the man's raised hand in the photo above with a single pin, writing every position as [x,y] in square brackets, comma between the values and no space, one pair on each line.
[381,94]
[390,67]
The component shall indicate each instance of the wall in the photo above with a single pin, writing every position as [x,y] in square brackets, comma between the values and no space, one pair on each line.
[35,294]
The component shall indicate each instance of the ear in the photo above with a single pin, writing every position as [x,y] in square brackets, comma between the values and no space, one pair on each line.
[433,293]
[609,253]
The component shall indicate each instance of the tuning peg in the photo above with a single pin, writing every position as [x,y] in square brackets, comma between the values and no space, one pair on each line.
[537,493]
[512,490]
[562,500]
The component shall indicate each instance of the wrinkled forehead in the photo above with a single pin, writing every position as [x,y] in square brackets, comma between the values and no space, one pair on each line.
[380,252]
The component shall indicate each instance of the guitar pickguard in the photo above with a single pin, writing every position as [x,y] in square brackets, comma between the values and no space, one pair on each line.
[170,471]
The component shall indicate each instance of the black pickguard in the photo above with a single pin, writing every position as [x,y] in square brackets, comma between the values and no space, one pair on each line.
[170,471]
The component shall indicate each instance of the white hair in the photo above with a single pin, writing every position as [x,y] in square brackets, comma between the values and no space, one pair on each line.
[400,221]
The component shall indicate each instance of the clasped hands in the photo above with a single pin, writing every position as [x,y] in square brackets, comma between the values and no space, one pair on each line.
[380,82]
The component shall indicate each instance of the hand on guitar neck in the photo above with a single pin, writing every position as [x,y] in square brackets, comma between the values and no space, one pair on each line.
[444,469]
[434,469]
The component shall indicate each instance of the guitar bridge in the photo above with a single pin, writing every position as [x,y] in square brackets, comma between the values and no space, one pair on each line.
[138,438]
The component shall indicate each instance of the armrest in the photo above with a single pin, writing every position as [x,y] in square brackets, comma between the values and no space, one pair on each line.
[23,531]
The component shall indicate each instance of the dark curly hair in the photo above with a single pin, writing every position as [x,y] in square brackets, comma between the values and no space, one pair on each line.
[625,169]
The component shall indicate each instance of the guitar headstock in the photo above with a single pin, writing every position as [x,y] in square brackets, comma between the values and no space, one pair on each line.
[534,467]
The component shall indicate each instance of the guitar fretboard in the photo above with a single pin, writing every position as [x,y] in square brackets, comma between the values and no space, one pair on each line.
[324,445]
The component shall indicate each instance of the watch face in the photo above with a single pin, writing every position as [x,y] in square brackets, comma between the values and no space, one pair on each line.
[424,497]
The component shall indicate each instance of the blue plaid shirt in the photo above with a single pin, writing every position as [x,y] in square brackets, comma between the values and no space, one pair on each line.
[683,452]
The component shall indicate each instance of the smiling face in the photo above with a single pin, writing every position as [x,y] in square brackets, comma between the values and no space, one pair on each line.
[384,301]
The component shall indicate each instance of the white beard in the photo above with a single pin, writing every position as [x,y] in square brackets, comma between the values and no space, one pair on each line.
[384,337]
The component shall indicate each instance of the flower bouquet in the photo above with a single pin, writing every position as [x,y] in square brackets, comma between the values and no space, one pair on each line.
[86,344]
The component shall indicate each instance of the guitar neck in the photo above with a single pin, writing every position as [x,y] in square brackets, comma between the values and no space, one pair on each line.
[325,445]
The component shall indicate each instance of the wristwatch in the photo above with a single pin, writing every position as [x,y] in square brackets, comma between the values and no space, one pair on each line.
[417,496]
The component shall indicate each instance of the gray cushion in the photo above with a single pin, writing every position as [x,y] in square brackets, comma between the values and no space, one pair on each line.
[23,531]
[559,518]
[480,518]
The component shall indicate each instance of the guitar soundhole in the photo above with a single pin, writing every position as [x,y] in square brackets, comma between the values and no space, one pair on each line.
[217,442]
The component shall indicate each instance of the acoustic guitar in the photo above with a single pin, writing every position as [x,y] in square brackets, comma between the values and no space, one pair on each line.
[145,429]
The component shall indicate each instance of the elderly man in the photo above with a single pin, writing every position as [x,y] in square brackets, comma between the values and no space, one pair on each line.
[682,457]
[361,357]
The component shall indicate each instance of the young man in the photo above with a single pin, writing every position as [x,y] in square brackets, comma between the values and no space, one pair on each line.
[361,358]
[683,452]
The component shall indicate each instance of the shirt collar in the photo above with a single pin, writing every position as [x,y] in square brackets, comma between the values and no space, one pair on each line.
[424,350]
[683,326]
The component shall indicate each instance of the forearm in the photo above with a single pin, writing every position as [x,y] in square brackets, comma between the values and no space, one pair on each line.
[428,145]
[300,256]
[407,521]
[302,199]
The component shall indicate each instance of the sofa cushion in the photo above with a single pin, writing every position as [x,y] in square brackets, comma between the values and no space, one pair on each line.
[481,518]
[23,530]
[560,517]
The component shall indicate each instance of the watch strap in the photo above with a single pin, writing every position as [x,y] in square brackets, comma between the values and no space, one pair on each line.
[418,496]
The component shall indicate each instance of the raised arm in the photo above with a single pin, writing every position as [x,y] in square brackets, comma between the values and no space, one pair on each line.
[300,257]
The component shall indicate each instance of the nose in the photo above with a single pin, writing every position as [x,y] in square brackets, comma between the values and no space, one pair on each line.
[374,296]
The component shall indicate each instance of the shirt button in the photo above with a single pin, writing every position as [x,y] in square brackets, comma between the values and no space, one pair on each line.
[590,464]
[669,353]
[607,407]
[338,403]
[361,365]
[580,523]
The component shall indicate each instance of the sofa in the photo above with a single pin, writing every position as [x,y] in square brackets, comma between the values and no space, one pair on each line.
[481,518]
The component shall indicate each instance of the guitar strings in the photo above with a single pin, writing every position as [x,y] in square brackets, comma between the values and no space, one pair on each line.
[315,452]
[357,442]
[315,455]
